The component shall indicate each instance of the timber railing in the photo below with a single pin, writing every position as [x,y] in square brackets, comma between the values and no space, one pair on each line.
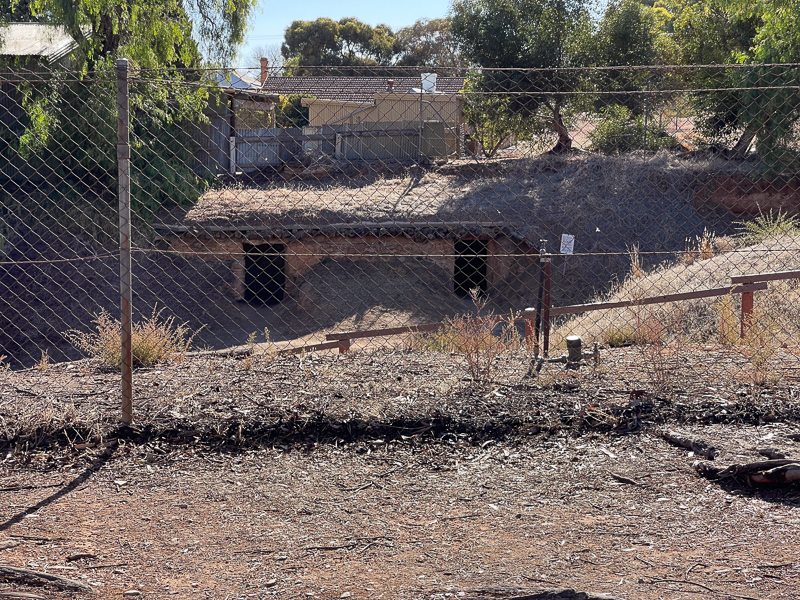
[745,285]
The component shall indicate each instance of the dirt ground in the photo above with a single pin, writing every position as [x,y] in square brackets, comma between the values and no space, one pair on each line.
[392,475]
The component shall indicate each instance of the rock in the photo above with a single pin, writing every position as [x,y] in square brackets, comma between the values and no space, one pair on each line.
[131,594]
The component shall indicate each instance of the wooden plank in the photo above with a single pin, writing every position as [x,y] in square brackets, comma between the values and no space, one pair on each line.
[775,276]
[581,308]
[331,227]
[354,335]
[310,348]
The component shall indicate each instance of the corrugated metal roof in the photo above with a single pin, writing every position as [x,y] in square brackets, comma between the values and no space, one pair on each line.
[354,89]
[35,39]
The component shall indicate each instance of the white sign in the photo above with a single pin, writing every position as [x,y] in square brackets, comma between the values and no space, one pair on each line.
[567,243]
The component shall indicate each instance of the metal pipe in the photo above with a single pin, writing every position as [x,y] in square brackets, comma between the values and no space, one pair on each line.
[538,321]
[125,279]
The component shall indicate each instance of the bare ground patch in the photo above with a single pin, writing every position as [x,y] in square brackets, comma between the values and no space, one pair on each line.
[387,474]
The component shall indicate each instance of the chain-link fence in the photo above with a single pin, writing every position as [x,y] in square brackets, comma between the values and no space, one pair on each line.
[646,208]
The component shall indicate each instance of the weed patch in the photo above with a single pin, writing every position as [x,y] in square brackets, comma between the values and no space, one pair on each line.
[153,341]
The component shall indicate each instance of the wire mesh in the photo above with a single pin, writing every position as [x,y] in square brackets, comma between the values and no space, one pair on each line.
[480,213]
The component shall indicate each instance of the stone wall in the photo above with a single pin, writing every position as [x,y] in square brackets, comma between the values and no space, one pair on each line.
[507,262]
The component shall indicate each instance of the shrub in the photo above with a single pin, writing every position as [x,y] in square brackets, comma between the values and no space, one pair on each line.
[474,338]
[153,341]
[767,226]
[619,130]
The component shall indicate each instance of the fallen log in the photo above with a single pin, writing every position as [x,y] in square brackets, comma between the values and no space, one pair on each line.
[779,475]
[699,447]
[9,573]
[778,471]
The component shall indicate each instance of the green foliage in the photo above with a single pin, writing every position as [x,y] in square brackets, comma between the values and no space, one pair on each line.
[521,33]
[491,117]
[344,43]
[767,226]
[153,33]
[619,130]
[529,34]
[429,42]
[628,34]
[290,112]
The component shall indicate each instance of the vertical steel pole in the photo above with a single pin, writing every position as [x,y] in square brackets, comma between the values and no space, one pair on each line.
[538,322]
[125,283]
[546,308]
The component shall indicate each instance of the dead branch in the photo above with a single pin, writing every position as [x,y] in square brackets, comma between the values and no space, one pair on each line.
[779,471]
[703,586]
[778,475]
[622,478]
[700,447]
[9,573]
[538,594]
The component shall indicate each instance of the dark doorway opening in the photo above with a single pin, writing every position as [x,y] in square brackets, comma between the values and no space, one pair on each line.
[470,266]
[264,273]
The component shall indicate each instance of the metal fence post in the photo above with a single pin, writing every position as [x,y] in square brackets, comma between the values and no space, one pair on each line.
[747,313]
[124,189]
[546,307]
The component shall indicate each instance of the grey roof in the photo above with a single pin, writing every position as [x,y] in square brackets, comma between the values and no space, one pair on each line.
[35,39]
[354,89]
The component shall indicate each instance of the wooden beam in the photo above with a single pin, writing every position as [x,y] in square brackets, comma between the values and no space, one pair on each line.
[581,308]
[775,276]
[310,348]
[354,335]
[332,227]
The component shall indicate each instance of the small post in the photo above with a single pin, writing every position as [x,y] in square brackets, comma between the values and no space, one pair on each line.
[344,345]
[747,312]
[546,308]
[574,349]
[125,280]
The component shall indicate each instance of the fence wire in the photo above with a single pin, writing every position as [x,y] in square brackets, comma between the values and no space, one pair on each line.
[483,212]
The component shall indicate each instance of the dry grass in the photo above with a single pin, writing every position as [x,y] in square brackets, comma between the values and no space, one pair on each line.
[704,319]
[153,341]
[44,362]
[474,337]
[702,247]
[728,323]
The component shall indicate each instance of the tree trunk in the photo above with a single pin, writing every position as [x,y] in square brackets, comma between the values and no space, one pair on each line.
[564,143]
[744,143]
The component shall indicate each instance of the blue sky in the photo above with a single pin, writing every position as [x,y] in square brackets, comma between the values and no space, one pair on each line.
[271,18]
